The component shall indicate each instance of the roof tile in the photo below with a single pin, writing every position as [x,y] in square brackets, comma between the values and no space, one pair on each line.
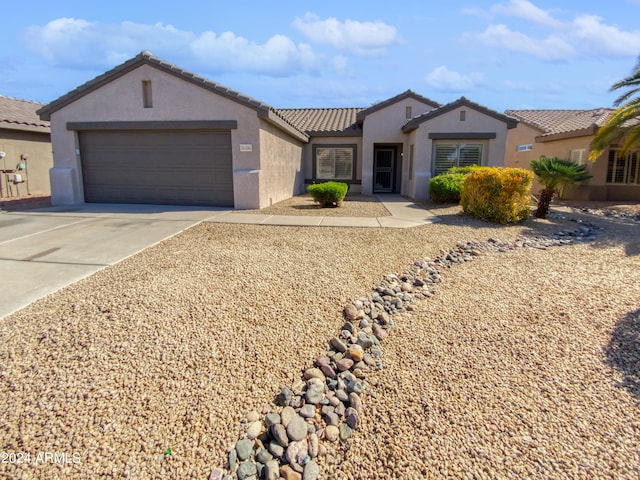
[21,114]
[325,120]
[551,122]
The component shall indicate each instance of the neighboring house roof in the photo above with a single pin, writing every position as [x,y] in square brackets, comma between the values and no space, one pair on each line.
[558,124]
[263,110]
[461,102]
[324,121]
[16,114]
[404,95]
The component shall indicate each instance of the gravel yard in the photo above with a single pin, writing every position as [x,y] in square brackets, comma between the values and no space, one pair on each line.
[525,364]
[353,206]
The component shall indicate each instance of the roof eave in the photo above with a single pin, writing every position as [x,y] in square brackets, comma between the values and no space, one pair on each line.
[25,128]
[583,132]
[273,118]
[360,116]
[145,58]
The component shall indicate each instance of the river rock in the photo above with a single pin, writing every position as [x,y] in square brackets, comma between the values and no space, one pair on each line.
[254,429]
[338,345]
[286,415]
[246,469]
[297,429]
[297,451]
[313,373]
[244,449]
[331,433]
[311,471]
[315,391]
[279,434]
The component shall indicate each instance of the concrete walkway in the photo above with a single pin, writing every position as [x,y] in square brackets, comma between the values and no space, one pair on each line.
[404,214]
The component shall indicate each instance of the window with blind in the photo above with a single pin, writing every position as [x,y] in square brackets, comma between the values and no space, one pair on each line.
[449,155]
[623,168]
[334,163]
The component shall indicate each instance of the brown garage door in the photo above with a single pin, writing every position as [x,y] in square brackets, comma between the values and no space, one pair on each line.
[178,167]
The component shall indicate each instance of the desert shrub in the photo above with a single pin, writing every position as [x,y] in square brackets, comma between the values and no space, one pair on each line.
[446,188]
[497,194]
[328,194]
[463,170]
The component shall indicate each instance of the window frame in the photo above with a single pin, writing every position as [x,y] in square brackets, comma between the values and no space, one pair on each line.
[334,146]
[623,167]
[457,145]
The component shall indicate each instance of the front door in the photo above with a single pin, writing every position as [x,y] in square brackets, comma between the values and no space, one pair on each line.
[383,169]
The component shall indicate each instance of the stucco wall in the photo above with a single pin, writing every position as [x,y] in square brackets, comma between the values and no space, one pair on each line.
[341,140]
[173,99]
[281,166]
[449,122]
[385,126]
[595,188]
[37,147]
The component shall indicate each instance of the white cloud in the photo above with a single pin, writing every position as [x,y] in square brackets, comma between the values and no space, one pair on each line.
[598,38]
[74,43]
[552,48]
[551,39]
[528,11]
[362,38]
[443,79]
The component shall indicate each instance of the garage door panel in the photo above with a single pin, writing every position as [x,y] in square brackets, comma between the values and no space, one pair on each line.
[191,167]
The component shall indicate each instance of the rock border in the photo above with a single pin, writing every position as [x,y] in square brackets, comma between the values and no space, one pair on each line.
[322,408]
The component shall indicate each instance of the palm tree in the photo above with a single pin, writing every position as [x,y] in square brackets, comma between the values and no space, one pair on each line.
[624,122]
[555,174]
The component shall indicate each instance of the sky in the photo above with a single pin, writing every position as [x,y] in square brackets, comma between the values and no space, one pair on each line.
[503,54]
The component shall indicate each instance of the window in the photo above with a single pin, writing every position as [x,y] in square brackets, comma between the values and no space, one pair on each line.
[578,156]
[147,100]
[449,155]
[463,115]
[524,148]
[623,168]
[335,163]
[407,112]
[411,162]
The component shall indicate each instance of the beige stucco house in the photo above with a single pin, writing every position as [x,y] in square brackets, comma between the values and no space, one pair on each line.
[25,141]
[567,134]
[148,131]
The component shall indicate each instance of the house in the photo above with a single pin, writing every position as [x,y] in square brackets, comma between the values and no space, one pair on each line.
[148,131]
[26,142]
[567,134]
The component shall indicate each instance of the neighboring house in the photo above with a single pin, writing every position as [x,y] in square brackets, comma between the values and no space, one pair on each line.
[23,134]
[150,132]
[567,134]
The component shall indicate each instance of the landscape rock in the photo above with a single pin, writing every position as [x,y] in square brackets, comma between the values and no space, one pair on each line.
[297,429]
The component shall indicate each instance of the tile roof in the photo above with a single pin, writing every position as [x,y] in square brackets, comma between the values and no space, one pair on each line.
[555,122]
[462,101]
[390,101]
[323,120]
[19,114]
[145,57]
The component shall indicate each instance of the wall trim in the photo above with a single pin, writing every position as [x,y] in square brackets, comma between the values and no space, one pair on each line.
[156,125]
[462,135]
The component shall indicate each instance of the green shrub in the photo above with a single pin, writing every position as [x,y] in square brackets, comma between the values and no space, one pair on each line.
[446,188]
[497,194]
[463,170]
[328,194]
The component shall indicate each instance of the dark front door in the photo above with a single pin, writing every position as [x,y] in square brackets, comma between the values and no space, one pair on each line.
[383,169]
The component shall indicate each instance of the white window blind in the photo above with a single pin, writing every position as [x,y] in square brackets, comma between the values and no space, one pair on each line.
[449,155]
[335,163]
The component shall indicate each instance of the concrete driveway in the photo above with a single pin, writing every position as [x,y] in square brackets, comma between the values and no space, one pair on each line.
[44,250]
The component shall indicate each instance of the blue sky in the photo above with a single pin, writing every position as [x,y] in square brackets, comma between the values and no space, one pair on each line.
[505,54]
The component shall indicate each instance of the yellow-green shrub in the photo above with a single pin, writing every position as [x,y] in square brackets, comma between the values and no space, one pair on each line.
[497,194]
